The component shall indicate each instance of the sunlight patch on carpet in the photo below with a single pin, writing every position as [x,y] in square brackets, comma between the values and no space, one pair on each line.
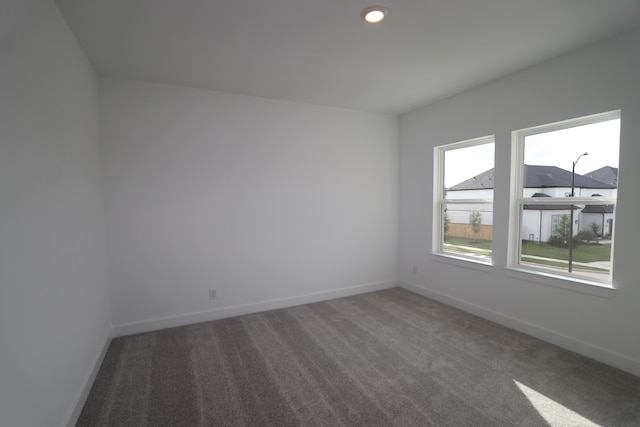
[553,412]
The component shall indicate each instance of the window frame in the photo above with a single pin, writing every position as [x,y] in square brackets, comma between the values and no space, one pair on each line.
[439,202]
[517,201]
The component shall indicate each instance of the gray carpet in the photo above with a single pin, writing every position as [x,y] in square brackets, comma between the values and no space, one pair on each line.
[378,359]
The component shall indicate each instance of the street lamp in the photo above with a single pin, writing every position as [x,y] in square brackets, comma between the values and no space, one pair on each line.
[573,186]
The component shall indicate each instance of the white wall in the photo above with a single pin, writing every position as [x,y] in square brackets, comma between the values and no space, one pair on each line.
[54,300]
[601,78]
[271,203]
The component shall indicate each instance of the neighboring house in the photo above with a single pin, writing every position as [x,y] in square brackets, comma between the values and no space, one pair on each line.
[606,174]
[601,214]
[539,222]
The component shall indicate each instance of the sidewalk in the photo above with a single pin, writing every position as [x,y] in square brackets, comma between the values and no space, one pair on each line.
[606,265]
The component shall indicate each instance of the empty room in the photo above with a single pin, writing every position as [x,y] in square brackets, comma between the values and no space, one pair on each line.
[330,213]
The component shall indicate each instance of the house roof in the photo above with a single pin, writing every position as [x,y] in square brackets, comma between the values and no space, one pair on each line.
[606,174]
[598,209]
[535,176]
[478,182]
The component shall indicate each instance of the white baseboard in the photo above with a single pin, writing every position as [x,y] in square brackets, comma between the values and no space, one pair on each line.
[603,355]
[81,398]
[239,310]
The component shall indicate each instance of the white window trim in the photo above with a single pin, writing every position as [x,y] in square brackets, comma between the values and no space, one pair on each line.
[541,275]
[439,201]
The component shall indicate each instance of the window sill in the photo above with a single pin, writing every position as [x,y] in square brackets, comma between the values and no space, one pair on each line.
[550,279]
[461,261]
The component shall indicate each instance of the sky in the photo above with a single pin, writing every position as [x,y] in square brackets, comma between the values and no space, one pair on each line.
[464,163]
[558,148]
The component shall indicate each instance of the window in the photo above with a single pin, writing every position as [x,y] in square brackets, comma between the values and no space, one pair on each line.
[463,199]
[564,191]
[558,221]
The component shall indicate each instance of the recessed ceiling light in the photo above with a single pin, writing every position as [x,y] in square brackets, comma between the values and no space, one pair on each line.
[374,14]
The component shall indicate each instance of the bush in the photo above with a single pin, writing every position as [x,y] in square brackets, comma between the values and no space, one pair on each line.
[558,242]
[586,236]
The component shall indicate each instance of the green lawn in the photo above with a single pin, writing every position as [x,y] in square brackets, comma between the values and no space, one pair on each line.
[474,243]
[581,253]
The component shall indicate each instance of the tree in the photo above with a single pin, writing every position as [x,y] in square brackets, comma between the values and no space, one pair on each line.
[595,227]
[562,232]
[447,222]
[475,220]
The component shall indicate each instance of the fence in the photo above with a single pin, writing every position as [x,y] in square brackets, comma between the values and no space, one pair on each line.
[464,230]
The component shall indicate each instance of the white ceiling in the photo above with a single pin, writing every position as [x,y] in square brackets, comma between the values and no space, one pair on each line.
[321,52]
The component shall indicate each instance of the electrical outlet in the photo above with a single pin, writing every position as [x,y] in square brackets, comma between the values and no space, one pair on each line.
[213,294]
[415,269]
